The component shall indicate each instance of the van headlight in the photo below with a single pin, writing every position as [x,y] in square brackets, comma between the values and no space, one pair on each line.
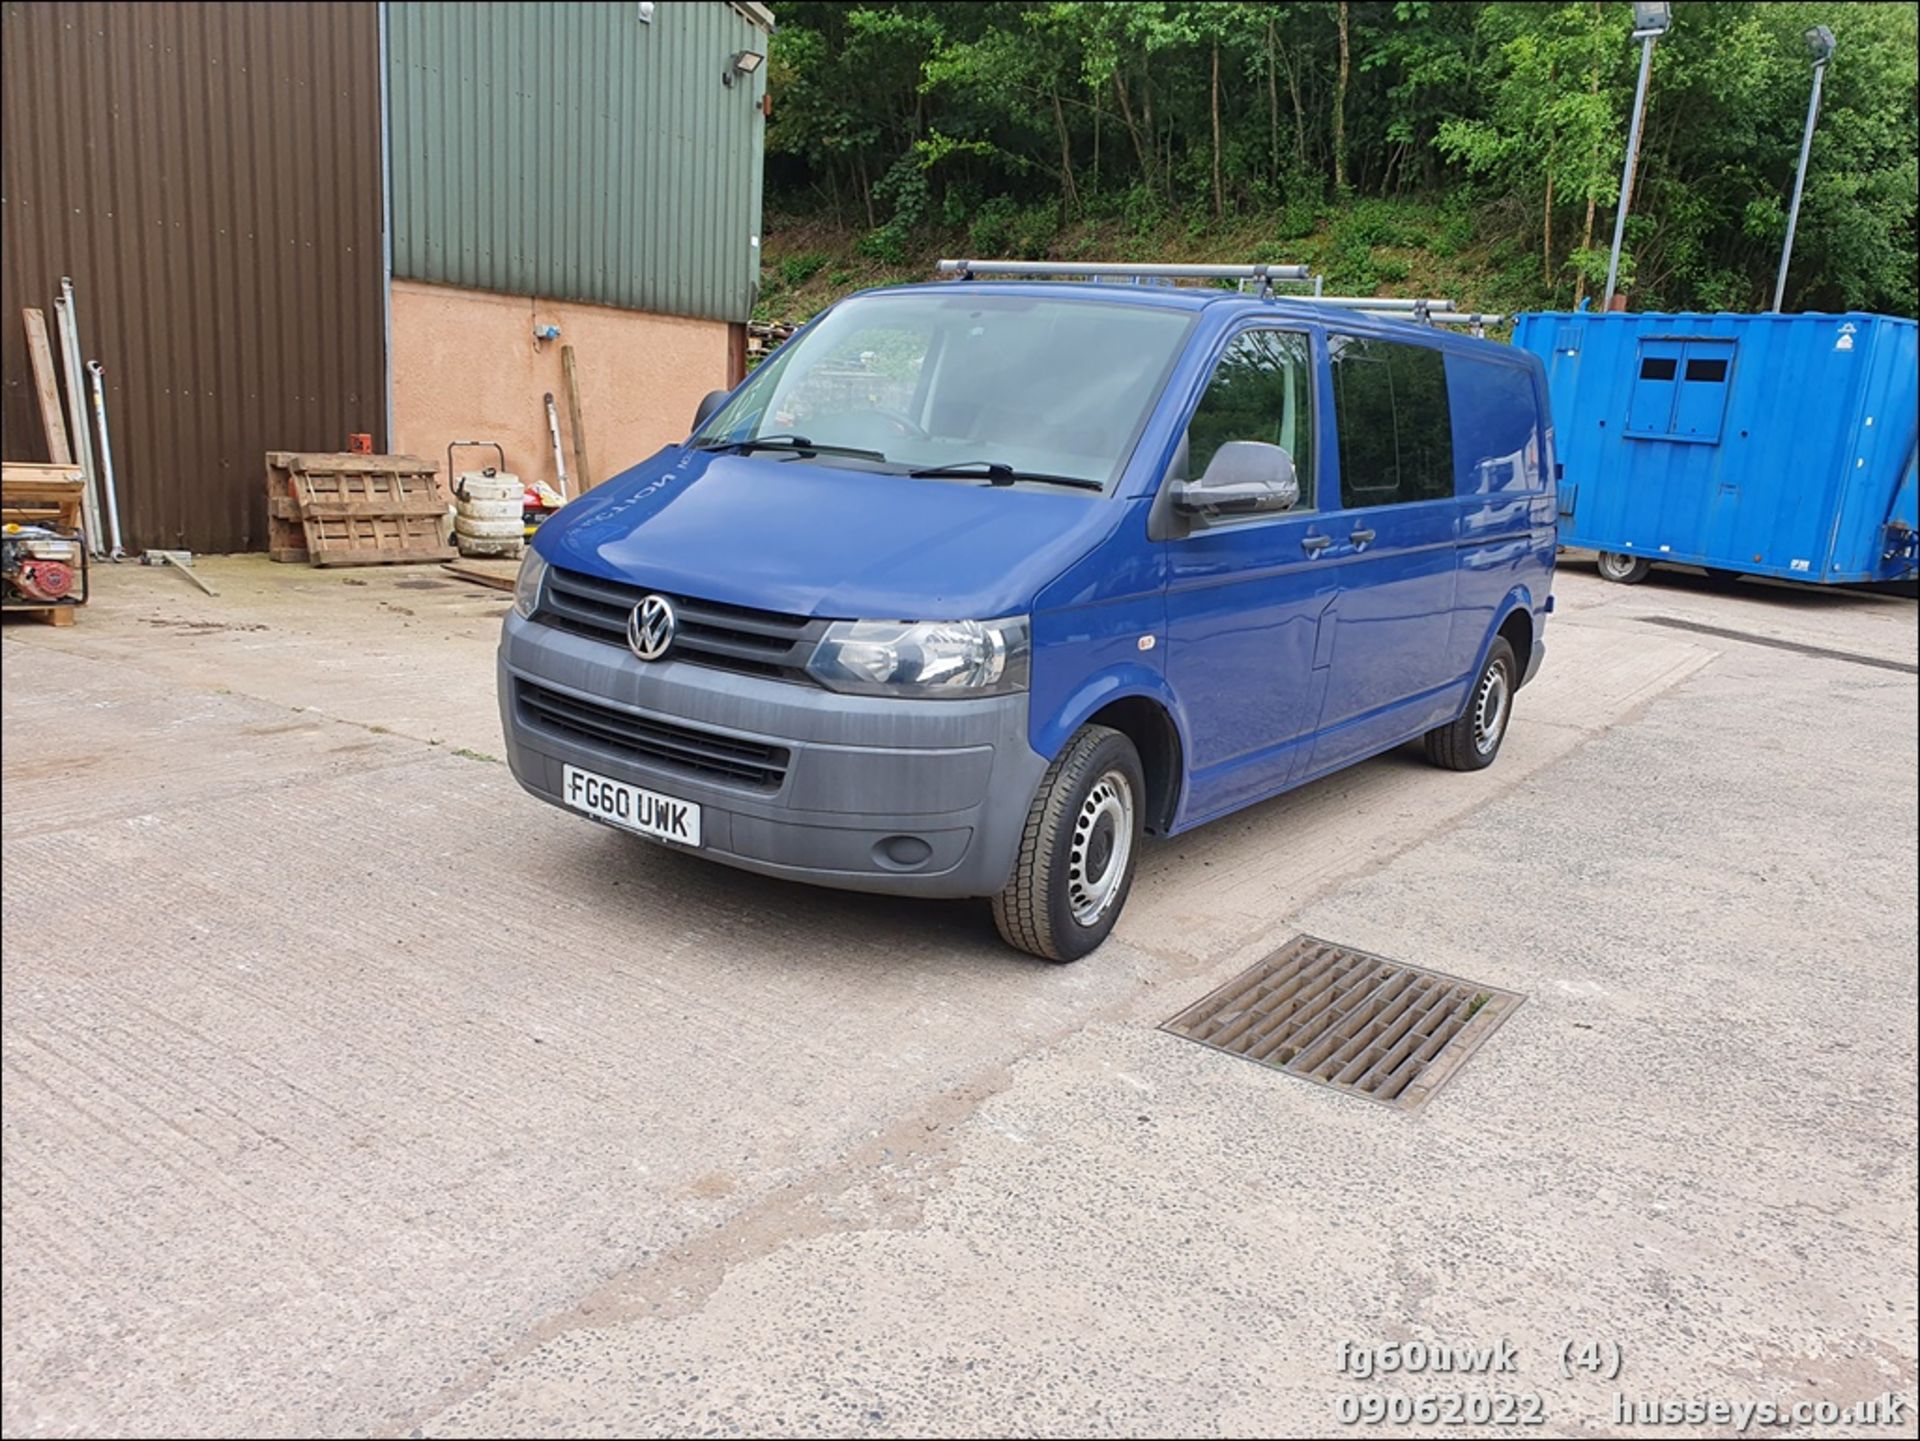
[526,586]
[936,659]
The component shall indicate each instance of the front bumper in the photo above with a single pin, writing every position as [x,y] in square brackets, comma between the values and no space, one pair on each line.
[858,773]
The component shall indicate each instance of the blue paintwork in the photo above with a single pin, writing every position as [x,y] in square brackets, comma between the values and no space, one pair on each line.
[1799,463]
[1275,664]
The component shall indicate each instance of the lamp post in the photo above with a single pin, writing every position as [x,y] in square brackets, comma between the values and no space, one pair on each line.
[1651,19]
[1820,42]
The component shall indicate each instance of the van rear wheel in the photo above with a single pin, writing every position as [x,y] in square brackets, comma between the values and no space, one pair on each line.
[1077,851]
[1471,742]
[1623,569]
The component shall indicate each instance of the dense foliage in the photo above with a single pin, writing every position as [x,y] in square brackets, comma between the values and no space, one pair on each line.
[1390,126]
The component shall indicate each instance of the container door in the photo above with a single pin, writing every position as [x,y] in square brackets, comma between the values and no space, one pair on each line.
[1651,402]
[1706,377]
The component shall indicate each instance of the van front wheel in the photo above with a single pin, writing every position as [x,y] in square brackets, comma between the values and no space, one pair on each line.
[1077,850]
[1472,741]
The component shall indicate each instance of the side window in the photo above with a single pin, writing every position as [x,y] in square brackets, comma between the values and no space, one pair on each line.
[1262,389]
[1496,425]
[1394,424]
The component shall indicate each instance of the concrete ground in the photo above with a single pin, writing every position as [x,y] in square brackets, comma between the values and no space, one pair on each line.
[349,1090]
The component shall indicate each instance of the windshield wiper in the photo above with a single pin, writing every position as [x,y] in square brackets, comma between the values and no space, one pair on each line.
[998,472]
[799,444]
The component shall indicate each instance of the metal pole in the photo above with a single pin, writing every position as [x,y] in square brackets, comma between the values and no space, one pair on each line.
[1626,176]
[559,455]
[68,319]
[386,237]
[1799,179]
[99,374]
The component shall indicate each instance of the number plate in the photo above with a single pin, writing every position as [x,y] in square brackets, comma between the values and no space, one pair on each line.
[647,812]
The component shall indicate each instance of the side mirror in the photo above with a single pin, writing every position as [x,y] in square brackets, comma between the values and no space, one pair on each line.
[1245,477]
[709,403]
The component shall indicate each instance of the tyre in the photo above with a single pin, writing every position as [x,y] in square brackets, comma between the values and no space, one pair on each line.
[1623,569]
[1471,742]
[1077,851]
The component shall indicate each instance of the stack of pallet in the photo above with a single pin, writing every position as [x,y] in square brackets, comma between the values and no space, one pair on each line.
[350,509]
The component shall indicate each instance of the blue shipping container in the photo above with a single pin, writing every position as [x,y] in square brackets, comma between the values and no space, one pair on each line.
[1778,445]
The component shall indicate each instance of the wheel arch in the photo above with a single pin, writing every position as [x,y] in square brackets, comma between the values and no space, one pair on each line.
[1515,623]
[1138,704]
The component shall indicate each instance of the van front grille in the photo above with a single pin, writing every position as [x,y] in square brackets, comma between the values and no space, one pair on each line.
[727,637]
[662,744]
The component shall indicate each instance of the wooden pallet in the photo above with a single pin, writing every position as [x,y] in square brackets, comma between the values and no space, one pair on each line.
[331,509]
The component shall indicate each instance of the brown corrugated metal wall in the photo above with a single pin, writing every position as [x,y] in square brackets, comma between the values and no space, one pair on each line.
[209,175]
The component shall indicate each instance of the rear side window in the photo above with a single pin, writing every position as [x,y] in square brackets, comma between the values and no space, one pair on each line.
[1496,426]
[1395,427]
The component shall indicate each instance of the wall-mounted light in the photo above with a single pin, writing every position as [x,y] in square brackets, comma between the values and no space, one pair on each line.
[744,62]
[645,9]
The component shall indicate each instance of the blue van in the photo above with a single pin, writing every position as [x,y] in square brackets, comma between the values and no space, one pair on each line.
[973,584]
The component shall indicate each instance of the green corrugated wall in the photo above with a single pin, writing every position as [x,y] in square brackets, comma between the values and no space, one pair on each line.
[577,152]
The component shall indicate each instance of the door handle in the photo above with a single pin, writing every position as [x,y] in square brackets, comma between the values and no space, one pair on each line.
[1361,537]
[1314,544]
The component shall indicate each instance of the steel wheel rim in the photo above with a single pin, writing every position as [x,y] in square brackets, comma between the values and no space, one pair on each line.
[1615,564]
[1102,846]
[1490,706]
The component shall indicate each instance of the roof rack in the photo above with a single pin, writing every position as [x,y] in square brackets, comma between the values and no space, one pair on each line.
[1421,311]
[1106,269]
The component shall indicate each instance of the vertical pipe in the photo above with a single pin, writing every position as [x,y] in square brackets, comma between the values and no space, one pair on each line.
[1799,179]
[67,318]
[99,374]
[1626,176]
[386,231]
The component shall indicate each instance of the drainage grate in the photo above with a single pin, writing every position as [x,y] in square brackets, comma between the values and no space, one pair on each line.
[1357,1022]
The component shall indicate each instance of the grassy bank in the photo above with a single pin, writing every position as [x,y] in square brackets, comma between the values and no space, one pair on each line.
[1372,247]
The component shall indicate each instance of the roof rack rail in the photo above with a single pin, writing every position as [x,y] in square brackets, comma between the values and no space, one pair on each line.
[1436,310]
[1038,269]
[1476,322]
[1385,305]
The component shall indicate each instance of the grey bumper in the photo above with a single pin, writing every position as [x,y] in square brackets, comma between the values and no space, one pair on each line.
[855,772]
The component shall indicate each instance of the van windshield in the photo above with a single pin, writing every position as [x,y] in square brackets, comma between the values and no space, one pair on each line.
[1001,386]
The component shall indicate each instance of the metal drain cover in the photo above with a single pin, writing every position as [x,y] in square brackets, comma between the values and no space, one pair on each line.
[1357,1022]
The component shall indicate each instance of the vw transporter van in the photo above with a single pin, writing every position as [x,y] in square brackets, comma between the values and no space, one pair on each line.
[973,585]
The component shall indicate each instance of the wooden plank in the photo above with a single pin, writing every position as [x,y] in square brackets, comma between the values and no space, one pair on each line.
[46,389]
[325,508]
[582,474]
[471,570]
[51,614]
[326,463]
[32,472]
[398,555]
